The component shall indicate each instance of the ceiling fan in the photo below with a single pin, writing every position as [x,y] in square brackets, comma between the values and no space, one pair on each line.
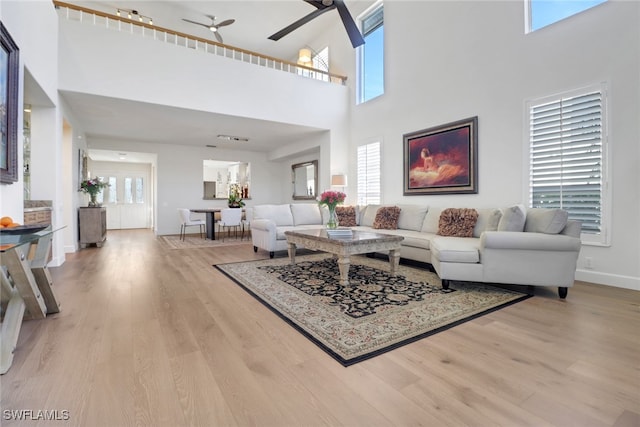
[213,26]
[323,6]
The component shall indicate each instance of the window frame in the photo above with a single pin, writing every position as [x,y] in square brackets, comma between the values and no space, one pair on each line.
[603,238]
[528,14]
[360,69]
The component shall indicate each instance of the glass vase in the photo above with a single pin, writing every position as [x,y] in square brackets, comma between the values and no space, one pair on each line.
[93,202]
[332,222]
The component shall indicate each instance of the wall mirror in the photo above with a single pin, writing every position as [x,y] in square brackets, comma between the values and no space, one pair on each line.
[305,180]
[222,177]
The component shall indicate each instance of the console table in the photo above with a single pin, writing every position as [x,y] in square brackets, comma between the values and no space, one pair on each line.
[92,223]
[27,291]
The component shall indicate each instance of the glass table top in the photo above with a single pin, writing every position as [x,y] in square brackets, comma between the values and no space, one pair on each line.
[13,238]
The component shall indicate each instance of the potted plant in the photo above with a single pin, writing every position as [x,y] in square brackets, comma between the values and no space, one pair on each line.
[235,198]
[92,187]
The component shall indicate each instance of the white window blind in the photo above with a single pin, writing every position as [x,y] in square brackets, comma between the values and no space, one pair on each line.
[369,174]
[566,156]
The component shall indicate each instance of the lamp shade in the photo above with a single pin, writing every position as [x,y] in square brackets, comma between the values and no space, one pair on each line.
[339,180]
[304,55]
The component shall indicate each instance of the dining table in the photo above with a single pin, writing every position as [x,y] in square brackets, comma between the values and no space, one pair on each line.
[210,219]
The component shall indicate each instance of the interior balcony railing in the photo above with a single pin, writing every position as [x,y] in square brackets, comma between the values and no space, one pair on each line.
[119,23]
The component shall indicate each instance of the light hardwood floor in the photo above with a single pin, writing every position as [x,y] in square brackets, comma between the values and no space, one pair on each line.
[157,337]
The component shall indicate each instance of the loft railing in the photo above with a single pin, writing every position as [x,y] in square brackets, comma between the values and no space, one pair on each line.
[119,23]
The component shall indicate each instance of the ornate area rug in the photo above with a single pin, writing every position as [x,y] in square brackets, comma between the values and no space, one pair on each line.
[195,241]
[375,313]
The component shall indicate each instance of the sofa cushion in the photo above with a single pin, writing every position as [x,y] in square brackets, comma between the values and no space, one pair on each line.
[488,220]
[306,213]
[431,220]
[279,214]
[387,218]
[411,217]
[456,249]
[368,215]
[549,221]
[513,219]
[415,239]
[458,222]
[346,216]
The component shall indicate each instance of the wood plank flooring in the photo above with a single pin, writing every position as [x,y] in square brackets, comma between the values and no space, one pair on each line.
[149,336]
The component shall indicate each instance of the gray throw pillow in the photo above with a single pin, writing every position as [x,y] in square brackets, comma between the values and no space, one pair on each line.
[549,221]
[513,219]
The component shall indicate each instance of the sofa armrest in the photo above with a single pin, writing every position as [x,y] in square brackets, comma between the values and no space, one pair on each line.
[264,225]
[528,241]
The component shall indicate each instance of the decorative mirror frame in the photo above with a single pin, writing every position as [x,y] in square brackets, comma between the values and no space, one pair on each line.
[295,196]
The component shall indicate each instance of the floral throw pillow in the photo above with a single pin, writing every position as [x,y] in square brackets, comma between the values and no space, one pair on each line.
[346,216]
[387,218]
[457,222]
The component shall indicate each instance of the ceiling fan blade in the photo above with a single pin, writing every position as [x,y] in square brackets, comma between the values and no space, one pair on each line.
[300,22]
[225,23]
[349,25]
[197,23]
[218,36]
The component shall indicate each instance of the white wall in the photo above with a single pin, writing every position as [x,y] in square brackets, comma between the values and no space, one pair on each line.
[38,58]
[447,61]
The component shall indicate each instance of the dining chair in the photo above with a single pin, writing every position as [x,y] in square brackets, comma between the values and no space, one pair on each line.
[186,221]
[230,218]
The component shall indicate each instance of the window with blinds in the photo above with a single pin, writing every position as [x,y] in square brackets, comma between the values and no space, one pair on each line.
[369,174]
[566,156]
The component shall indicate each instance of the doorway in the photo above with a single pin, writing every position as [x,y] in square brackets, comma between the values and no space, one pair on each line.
[128,198]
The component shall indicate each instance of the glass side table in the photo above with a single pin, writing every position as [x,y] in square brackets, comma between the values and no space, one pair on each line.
[26,283]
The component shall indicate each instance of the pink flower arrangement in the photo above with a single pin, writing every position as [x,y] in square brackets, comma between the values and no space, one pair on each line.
[331,199]
[92,186]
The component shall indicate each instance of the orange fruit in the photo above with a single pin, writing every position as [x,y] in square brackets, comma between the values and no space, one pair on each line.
[6,220]
[13,224]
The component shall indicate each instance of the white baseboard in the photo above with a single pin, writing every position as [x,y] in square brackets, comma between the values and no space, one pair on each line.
[616,280]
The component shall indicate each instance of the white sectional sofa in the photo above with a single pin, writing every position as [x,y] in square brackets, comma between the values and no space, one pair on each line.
[514,245]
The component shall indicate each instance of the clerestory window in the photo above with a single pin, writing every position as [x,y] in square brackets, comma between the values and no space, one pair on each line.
[541,13]
[371,55]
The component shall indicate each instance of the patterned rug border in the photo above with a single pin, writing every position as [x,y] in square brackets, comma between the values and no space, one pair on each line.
[173,242]
[351,361]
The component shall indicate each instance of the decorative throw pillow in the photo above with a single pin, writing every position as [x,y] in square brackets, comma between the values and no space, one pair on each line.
[387,218]
[346,216]
[513,219]
[457,222]
[549,221]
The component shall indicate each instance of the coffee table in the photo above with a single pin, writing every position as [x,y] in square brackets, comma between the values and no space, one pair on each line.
[343,247]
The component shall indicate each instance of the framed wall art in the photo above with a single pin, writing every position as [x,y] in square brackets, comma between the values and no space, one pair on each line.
[9,75]
[442,159]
